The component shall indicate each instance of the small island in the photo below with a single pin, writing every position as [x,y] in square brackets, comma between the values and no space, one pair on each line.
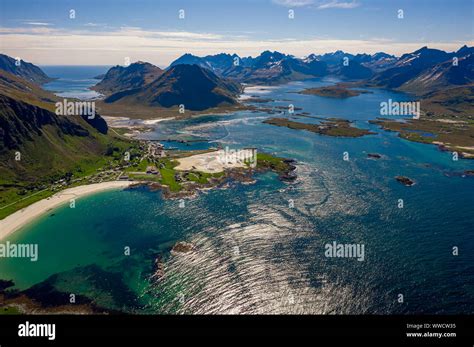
[336,91]
[331,127]
[405,181]
[374,155]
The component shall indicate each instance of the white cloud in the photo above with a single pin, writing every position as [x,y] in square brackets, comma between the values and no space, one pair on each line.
[338,4]
[293,3]
[128,31]
[38,30]
[93,24]
[319,4]
[37,23]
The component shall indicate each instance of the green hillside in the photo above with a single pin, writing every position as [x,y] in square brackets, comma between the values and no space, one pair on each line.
[41,152]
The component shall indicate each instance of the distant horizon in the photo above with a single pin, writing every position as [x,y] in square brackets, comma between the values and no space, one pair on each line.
[454,48]
[241,56]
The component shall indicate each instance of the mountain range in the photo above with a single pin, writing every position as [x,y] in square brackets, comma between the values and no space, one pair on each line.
[422,71]
[427,70]
[276,68]
[213,80]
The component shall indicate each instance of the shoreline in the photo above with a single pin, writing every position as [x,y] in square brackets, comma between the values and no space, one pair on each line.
[20,218]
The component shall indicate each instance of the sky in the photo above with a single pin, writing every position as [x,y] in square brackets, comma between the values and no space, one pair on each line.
[108,32]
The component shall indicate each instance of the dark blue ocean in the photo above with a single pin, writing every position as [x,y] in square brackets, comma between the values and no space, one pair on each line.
[260,248]
[74,81]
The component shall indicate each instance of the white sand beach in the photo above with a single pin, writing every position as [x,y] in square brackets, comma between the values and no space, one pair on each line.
[216,161]
[15,221]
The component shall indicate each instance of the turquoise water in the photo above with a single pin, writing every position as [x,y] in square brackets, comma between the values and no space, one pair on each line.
[255,254]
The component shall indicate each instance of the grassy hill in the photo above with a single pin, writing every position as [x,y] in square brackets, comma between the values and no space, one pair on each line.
[23,69]
[133,76]
[51,148]
[194,87]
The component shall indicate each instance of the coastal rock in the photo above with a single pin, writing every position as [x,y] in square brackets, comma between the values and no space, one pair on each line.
[289,175]
[158,269]
[289,161]
[182,247]
[405,180]
[4,284]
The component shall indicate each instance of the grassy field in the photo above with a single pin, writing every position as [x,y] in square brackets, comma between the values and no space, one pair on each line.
[267,161]
[202,177]
[12,197]
[9,310]
[140,165]
[168,175]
